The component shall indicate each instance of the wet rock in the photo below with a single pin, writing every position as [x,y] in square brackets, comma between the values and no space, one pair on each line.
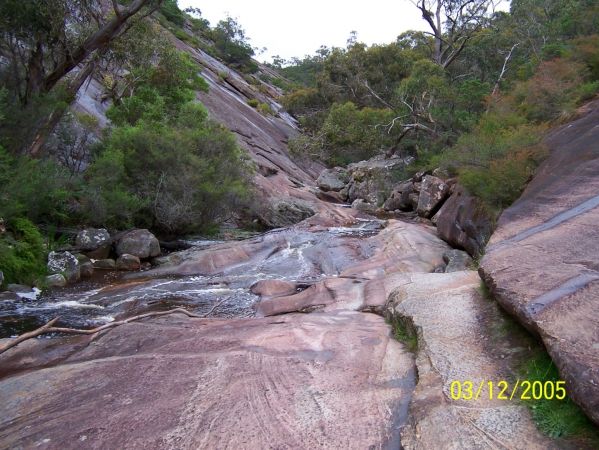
[19,289]
[333,179]
[56,280]
[361,205]
[462,222]
[65,263]
[457,261]
[105,264]
[327,376]
[272,288]
[449,317]
[128,262]
[86,269]
[433,192]
[373,180]
[541,263]
[140,243]
[92,237]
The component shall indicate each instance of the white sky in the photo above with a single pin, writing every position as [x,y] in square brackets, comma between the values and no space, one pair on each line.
[298,28]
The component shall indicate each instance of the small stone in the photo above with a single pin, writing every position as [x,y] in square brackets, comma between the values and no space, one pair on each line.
[128,262]
[86,269]
[56,280]
[105,264]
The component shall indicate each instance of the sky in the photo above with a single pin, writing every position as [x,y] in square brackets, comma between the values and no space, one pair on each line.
[299,28]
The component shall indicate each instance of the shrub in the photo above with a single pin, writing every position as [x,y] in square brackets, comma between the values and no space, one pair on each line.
[22,255]
[253,103]
[265,108]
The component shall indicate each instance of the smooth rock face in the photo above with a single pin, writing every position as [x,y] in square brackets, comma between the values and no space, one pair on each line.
[128,262]
[457,341]
[64,262]
[400,248]
[333,179]
[272,288]
[462,223]
[56,280]
[191,383]
[140,243]
[433,192]
[541,264]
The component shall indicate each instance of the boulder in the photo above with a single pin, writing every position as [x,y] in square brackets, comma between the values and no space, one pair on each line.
[93,237]
[541,263]
[128,262]
[19,289]
[140,243]
[65,263]
[333,179]
[400,197]
[1,277]
[105,264]
[361,205]
[285,211]
[273,288]
[413,199]
[373,180]
[457,261]
[86,269]
[56,280]
[433,193]
[462,222]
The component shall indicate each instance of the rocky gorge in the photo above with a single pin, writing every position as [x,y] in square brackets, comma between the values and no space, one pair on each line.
[301,353]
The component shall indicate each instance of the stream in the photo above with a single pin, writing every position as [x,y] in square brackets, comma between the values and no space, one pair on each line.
[112,295]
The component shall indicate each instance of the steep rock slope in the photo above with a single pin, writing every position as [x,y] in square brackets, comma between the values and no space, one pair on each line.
[542,263]
[284,188]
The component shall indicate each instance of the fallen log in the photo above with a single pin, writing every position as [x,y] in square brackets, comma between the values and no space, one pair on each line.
[49,328]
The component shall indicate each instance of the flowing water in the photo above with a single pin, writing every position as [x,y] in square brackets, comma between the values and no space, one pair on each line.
[303,257]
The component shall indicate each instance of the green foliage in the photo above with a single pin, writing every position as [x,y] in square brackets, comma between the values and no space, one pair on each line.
[232,45]
[265,108]
[404,331]
[170,10]
[555,418]
[176,177]
[22,255]
[253,103]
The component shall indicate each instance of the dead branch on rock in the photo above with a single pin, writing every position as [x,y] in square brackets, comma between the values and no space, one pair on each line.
[49,328]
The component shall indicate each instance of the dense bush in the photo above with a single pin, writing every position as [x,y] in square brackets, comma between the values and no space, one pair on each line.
[22,255]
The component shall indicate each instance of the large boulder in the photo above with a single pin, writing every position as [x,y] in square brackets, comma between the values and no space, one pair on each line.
[373,180]
[333,179]
[365,207]
[65,263]
[400,197]
[462,222]
[273,288]
[541,263]
[140,243]
[93,238]
[286,210]
[105,264]
[433,192]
